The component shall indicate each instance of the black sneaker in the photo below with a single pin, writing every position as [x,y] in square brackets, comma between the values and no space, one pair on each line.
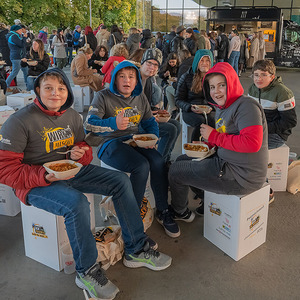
[200,209]
[96,283]
[188,216]
[271,196]
[153,245]
[166,220]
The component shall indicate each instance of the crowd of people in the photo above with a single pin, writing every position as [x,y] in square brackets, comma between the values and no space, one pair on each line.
[135,79]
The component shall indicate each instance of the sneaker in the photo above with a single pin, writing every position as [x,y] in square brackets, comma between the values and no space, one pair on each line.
[188,216]
[200,209]
[96,284]
[271,196]
[148,258]
[153,245]
[165,219]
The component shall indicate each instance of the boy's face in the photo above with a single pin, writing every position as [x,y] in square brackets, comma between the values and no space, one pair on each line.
[126,81]
[204,64]
[52,93]
[262,78]
[218,89]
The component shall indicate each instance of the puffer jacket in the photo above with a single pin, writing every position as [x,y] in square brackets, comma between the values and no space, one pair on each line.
[278,103]
[133,42]
[16,44]
[147,41]
[191,45]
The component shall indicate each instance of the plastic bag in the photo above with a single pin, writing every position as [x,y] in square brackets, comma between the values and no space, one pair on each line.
[110,245]
[293,181]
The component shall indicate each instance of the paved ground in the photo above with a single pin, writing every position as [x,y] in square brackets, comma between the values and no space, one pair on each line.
[199,270]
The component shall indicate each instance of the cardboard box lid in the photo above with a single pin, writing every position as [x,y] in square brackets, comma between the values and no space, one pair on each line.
[6,108]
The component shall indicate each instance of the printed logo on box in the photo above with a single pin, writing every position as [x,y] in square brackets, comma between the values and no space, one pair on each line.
[254,221]
[214,209]
[38,230]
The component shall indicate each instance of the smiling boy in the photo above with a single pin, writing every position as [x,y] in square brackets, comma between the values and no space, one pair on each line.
[277,101]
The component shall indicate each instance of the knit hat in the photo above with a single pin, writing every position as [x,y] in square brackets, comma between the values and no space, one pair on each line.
[180,29]
[152,53]
[77,26]
[15,27]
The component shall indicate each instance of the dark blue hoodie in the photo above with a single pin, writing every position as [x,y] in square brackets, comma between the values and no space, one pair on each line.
[16,44]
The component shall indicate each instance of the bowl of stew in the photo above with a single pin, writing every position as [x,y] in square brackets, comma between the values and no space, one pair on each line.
[63,168]
[196,150]
[145,140]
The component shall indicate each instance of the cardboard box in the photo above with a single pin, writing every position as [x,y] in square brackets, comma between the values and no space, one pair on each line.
[236,224]
[9,203]
[278,168]
[19,100]
[45,235]
[78,98]
[5,112]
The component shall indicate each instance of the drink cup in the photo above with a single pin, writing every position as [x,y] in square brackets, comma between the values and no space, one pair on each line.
[68,260]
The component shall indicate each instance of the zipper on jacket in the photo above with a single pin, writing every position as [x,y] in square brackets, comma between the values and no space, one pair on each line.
[259,93]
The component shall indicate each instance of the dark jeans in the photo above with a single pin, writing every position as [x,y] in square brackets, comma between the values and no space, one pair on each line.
[168,133]
[65,198]
[210,174]
[275,141]
[69,52]
[195,120]
[138,162]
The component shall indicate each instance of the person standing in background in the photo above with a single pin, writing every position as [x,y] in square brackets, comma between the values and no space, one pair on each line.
[223,45]
[234,50]
[69,47]
[60,49]
[4,49]
[133,41]
[262,46]
[102,36]
[43,34]
[254,49]
[159,41]
[244,54]
[115,36]
[191,41]
[76,37]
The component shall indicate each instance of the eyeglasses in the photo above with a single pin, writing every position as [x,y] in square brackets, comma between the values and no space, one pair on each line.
[149,64]
[263,76]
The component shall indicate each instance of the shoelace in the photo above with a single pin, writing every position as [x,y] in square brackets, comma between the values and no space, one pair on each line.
[100,277]
[167,216]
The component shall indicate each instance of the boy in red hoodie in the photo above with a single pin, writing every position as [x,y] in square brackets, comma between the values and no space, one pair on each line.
[240,136]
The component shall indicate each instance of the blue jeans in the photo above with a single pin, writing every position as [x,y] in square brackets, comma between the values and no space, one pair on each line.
[69,52]
[168,133]
[275,141]
[65,198]
[16,67]
[234,60]
[30,82]
[138,162]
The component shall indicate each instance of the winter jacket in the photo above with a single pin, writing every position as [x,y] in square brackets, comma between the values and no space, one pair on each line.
[17,45]
[184,97]
[159,44]
[114,38]
[223,45]
[177,44]
[92,64]
[164,68]
[167,44]
[133,42]
[41,67]
[4,48]
[69,40]
[241,131]
[32,136]
[191,45]
[108,67]
[76,39]
[91,40]
[59,47]
[147,41]
[101,123]
[102,38]
[43,36]
[278,103]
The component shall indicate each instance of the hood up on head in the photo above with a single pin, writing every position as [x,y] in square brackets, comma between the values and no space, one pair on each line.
[70,98]
[199,54]
[124,64]
[234,87]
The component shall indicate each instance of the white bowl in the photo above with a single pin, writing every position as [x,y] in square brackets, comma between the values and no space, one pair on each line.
[31,62]
[64,174]
[205,108]
[144,144]
[198,154]
[163,119]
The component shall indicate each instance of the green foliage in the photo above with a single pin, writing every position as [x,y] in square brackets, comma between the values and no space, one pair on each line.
[68,13]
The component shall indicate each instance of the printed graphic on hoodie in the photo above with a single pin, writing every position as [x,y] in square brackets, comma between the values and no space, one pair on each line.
[56,138]
[132,113]
[221,126]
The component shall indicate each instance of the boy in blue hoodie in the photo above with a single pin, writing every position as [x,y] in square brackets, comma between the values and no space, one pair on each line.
[114,116]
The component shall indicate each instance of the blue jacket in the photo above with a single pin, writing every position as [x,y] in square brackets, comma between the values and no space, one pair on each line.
[76,37]
[17,45]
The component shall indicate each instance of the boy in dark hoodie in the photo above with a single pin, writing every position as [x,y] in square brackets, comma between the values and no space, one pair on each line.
[31,137]
[114,116]
[240,163]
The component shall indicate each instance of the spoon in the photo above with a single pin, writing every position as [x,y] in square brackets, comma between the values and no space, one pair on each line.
[64,152]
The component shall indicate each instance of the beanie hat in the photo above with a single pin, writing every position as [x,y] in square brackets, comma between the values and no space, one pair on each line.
[15,27]
[152,53]
[77,26]
[180,29]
